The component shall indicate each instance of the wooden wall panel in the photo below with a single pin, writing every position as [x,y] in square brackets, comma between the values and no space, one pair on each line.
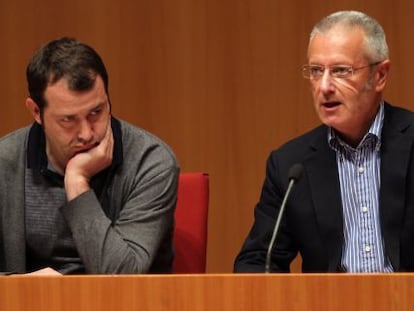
[219,81]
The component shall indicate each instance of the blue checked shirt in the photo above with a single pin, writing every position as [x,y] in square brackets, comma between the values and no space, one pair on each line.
[359,176]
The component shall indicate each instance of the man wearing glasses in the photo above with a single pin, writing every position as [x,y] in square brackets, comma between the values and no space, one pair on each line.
[353,208]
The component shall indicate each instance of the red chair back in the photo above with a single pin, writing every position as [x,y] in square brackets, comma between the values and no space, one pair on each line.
[191,215]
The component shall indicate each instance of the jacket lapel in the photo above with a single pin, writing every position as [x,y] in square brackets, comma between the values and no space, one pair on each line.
[321,169]
[395,155]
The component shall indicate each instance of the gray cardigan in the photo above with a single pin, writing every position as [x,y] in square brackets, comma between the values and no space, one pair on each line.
[143,190]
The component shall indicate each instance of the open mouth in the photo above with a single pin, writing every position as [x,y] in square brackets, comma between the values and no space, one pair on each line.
[331,104]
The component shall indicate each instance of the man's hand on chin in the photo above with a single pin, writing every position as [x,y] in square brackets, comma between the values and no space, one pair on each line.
[83,166]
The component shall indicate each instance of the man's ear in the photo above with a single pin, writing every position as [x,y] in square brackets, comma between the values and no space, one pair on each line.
[382,72]
[34,110]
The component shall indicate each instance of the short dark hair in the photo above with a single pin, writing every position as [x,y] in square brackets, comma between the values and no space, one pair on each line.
[65,58]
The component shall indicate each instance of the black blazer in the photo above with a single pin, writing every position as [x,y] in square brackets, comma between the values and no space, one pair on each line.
[312,223]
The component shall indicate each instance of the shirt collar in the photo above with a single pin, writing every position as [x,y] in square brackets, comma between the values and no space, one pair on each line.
[374,133]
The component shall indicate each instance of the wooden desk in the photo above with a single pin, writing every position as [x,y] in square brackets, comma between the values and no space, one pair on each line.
[209,292]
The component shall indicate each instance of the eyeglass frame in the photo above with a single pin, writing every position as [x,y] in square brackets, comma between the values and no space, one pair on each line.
[349,73]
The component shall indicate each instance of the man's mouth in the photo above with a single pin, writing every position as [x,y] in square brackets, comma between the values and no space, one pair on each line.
[331,104]
[85,148]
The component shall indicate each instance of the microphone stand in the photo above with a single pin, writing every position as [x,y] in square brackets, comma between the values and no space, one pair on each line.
[277,225]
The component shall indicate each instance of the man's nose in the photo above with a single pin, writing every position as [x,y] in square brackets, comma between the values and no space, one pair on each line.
[326,82]
[85,132]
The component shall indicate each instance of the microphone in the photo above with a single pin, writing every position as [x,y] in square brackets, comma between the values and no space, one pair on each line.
[295,172]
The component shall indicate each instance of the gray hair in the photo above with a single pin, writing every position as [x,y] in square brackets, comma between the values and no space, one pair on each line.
[376,47]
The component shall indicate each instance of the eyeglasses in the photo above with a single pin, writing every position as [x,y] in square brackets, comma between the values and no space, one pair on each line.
[314,72]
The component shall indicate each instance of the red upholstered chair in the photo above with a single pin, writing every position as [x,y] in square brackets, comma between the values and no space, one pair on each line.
[191,214]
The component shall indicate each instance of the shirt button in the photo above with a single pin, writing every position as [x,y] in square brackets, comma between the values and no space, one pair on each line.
[367,249]
[361,169]
[364,209]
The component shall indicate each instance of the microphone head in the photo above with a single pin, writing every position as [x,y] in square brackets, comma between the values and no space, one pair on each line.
[295,172]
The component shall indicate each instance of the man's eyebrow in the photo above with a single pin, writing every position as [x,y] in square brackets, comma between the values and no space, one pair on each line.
[99,105]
